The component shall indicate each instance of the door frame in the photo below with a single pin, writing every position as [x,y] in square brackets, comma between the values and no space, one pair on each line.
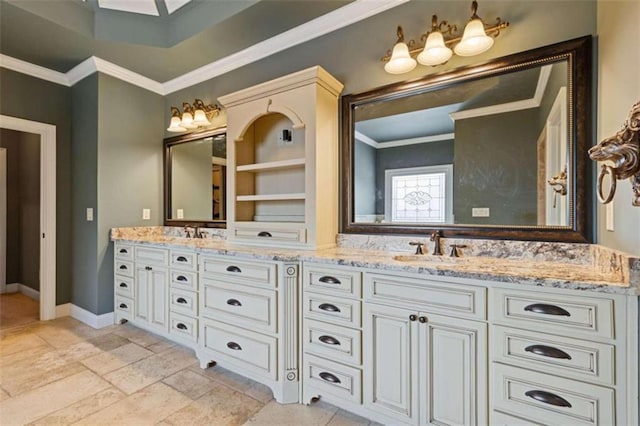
[3,220]
[47,134]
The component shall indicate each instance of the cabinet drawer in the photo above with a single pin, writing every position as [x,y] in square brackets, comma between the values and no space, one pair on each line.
[333,342]
[334,379]
[124,286]
[253,351]
[183,327]
[269,234]
[152,256]
[185,302]
[184,260]
[249,272]
[573,358]
[554,313]
[333,281]
[333,309]
[124,307]
[123,267]
[550,399]
[123,251]
[184,280]
[238,304]
[448,298]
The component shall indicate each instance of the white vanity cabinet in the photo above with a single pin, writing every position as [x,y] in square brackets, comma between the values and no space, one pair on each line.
[562,357]
[183,296]
[248,320]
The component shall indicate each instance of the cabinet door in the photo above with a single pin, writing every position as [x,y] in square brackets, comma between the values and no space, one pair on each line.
[159,297]
[453,371]
[141,293]
[390,360]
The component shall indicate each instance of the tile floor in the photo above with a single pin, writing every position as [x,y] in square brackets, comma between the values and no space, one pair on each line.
[17,309]
[64,372]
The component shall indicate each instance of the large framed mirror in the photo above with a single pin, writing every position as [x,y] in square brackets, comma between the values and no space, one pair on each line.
[496,150]
[195,170]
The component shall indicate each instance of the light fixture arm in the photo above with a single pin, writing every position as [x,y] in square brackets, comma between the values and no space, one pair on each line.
[175,112]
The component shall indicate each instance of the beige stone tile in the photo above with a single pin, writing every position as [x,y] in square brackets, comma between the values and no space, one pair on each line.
[117,358]
[58,337]
[20,342]
[138,375]
[345,418]
[226,377]
[136,335]
[260,392]
[3,395]
[17,357]
[161,346]
[108,342]
[146,407]
[26,380]
[317,414]
[190,384]
[221,406]
[50,398]
[78,351]
[82,408]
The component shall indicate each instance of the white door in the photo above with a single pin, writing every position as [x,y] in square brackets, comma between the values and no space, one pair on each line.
[556,160]
[3,220]
[141,293]
[453,371]
[159,297]
[390,361]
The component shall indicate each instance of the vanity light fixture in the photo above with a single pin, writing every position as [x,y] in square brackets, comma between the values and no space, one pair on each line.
[477,38]
[192,117]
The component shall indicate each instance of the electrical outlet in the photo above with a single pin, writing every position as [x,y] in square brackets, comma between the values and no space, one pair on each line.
[89,214]
[480,212]
[146,214]
[180,214]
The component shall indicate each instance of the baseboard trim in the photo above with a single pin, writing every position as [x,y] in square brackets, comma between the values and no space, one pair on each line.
[82,315]
[26,290]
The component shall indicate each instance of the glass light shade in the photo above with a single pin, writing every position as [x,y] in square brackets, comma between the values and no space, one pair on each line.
[474,40]
[187,121]
[435,52]
[400,61]
[200,118]
[175,126]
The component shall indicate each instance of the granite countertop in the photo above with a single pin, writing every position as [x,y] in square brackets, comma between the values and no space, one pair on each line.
[591,275]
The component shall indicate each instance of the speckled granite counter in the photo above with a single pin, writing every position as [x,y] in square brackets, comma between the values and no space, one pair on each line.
[558,265]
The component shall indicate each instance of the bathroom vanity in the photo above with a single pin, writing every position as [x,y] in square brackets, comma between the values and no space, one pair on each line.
[424,340]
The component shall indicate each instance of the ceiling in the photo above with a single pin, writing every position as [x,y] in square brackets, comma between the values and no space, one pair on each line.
[159,39]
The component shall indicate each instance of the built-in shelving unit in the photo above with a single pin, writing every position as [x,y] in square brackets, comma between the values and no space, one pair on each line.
[282,161]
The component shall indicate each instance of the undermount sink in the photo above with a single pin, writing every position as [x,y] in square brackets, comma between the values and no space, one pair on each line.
[419,258]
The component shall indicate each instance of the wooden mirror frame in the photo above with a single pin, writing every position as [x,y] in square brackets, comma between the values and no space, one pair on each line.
[578,53]
[168,143]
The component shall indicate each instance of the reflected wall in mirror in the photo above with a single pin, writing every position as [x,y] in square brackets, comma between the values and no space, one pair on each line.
[494,150]
[195,179]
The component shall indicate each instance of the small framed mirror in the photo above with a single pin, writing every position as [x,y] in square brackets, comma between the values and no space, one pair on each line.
[195,170]
[497,150]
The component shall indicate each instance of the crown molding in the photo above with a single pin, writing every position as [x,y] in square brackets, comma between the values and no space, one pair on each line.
[402,142]
[533,102]
[33,70]
[332,21]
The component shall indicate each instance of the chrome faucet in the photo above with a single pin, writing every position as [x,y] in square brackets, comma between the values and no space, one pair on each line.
[437,248]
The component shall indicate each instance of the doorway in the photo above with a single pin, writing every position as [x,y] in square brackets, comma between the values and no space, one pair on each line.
[47,215]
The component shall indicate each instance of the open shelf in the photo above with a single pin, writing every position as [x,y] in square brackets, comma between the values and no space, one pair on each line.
[272,197]
[273,165]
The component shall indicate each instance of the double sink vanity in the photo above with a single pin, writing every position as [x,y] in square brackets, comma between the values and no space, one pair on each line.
[321,295]
[539,333]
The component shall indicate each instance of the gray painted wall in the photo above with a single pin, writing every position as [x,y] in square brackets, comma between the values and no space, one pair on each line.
[495,167]
[129,169]
[84,160]
[10,139]
[38,100]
